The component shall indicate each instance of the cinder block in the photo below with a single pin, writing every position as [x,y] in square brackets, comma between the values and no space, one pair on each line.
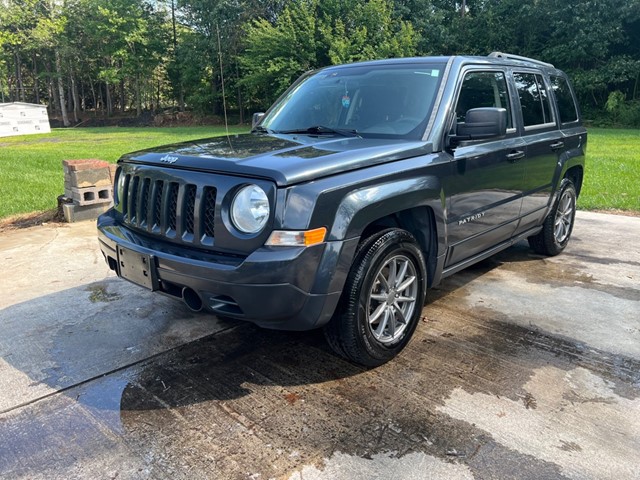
[112,170]
[96,177]
[84,164]
[78,213]
[92,195]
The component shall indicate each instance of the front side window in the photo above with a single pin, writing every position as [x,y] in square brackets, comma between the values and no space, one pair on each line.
[386,101]
[483,89]
[566,105]
[534,100]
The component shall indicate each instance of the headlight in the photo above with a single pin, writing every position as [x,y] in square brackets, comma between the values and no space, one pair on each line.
[250,209]
[119,190]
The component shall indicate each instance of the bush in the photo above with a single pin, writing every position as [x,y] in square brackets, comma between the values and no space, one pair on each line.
[621,111]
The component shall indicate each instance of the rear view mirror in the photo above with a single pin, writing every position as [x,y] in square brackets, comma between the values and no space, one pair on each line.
[483,123]
[255,120]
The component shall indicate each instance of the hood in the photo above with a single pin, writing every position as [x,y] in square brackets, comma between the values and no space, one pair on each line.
[285,159]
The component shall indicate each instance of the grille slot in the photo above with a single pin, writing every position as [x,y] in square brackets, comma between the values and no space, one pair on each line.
[181,212]
[189,209]
[144,202]
[209,211]
[172,214]
[157,205]
[125,196]
[133,199]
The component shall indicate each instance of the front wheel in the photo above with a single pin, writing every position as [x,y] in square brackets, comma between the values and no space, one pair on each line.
[557,227]
[382,299]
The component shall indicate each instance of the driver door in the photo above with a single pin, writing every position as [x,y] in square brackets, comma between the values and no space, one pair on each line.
[484,189]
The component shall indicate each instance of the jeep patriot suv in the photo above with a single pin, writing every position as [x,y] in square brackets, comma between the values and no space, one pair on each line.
[361,187]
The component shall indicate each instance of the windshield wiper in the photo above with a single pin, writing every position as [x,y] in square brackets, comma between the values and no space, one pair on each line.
[322,130]
[261,129]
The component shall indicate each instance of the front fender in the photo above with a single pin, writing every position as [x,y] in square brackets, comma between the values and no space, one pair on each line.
[363,206]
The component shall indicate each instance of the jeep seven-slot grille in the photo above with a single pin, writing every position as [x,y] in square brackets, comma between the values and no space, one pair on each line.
[170,209]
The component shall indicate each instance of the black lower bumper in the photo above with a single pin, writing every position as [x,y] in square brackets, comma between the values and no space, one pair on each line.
[279,288]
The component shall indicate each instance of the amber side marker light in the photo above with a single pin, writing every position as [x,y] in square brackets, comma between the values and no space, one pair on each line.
[299,238]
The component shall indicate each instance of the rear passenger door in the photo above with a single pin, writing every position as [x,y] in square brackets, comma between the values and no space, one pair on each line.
[544,145]
[484,190]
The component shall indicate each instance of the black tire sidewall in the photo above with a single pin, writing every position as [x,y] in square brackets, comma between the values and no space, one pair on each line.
[394,242]
[560,246]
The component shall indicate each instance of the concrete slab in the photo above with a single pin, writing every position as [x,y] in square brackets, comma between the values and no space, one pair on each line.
[65,318]
[523,367]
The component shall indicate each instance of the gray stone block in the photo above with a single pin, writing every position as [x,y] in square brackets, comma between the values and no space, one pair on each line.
[78,213]
[91,195]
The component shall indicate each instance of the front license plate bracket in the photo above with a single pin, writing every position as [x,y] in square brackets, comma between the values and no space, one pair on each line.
[138,268]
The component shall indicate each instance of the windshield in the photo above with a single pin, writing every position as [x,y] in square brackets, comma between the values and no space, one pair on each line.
[386,101]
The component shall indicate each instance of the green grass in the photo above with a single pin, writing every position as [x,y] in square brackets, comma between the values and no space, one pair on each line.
[31,176]
[31,166]
[612,172]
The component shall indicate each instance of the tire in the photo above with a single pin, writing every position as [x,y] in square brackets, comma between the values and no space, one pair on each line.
[557,227]
[375,320]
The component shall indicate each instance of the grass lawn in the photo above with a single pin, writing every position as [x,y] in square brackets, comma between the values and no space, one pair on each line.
[31,170]
[612,172]
[31,176]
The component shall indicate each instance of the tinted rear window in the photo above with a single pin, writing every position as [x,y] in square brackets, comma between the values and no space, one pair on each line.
[533,99]
[566,104]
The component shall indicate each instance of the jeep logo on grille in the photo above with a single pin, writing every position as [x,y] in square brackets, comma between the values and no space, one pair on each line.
[169,159]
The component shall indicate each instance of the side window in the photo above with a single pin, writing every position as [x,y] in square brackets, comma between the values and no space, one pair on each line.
[534,99]
[566,105]
[483,89]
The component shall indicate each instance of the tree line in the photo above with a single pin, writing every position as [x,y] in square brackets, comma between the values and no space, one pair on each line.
[129,57]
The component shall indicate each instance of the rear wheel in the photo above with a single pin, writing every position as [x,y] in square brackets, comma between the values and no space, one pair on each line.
[382,299]
[557,227]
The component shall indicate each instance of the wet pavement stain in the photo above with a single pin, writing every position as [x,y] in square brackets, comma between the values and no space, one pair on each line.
[99,293]
[221,407]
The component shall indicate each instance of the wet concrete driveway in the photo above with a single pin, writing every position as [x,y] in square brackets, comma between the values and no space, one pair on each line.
[523,367]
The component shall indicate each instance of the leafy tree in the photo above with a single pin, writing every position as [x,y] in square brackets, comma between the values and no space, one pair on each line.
[131,55]
[309,34]
[277,54]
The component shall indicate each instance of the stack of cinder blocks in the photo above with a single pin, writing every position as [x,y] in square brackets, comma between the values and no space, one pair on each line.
[88,188]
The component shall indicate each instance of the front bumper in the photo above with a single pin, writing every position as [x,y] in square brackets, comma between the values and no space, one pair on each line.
[291,288]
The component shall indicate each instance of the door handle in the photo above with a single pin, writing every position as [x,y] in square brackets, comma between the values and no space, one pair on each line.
[515,155]
[557,145]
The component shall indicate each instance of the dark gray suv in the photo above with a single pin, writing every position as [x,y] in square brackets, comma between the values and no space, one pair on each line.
[360,188]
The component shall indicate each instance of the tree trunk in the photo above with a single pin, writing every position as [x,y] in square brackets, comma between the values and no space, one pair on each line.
[83,98]
[123,100]
[20,86]
[70,105]
[214,93]
[107,89]
[54,101]
[138,99]
[240,106]
[175,48]
[95,99]
[36,82]
[63,105]
[76,97]
[181,96]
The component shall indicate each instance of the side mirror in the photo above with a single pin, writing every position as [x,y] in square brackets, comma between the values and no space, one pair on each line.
[483,123]
[255,120]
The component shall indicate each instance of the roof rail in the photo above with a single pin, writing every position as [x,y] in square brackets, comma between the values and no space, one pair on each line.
[510,56]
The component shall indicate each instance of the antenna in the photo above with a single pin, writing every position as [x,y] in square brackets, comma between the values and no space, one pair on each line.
[224,97]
